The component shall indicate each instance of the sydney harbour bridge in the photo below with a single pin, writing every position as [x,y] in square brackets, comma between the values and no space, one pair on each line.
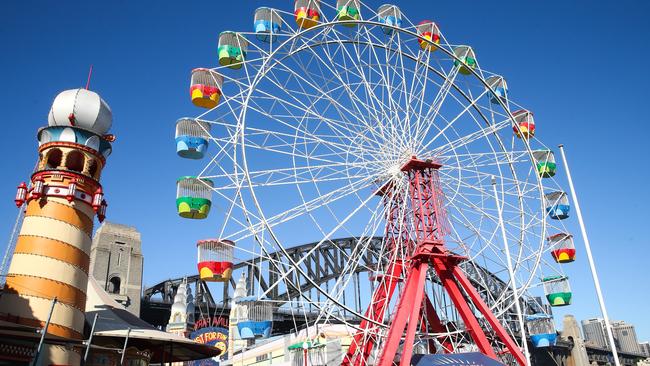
[323,266]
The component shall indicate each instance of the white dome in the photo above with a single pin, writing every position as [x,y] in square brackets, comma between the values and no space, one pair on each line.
[90,111]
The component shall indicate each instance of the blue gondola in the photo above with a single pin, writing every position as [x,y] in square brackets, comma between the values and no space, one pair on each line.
[191,138]
[541,330]
[498,84]
[258,319]
[557,205]
[390,15]
[267,24]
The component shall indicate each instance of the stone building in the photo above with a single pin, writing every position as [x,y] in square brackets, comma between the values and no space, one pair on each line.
[116,262]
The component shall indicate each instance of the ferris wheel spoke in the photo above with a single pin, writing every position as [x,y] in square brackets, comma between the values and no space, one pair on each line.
[328,236]
[305,208]
[344,127]
[451,122]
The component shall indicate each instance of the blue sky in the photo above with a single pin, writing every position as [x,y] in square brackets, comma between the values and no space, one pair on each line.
[579,65]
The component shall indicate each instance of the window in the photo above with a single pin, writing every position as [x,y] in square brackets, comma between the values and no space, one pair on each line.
[53,159]
[92,170]
[114,285]
[75,161]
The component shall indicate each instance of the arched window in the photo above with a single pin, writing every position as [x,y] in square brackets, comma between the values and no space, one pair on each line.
[53,159]
[92,169]
[75,161]
[114,285]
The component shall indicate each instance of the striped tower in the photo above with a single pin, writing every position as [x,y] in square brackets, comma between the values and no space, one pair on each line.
[51,257]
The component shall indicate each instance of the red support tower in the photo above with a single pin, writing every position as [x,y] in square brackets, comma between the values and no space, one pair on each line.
[424,247]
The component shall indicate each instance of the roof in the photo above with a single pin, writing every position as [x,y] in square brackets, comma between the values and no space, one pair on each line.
[114,322]
[457,359]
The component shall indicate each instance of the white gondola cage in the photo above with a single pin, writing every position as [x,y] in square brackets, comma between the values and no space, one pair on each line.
[192,128]
[524,123]
[561,241]
[430,32]
[556,198]
[467,59]
[232,49]
[206,77]
[556,284]
[540,324]
[390,15]
[257,320]
[541,330]
[544,156]
[233,39]
[348,10]
[562,247]
[194,187]
[307,13]
[349,3]
[267,23]
[557,290]
[270,15]
[545,163]
[193,197]
[192,137]
[499,86]
[215,259]
[308,4]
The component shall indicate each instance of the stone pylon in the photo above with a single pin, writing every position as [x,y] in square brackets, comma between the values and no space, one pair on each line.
[571,331]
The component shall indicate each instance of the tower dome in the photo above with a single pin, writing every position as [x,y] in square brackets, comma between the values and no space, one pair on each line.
[81,108]
[179,307]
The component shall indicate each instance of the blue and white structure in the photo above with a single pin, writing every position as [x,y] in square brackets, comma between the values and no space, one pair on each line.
[267,24]
[257,321]
[192,138]
[557,205]
[541,330]
[390,15]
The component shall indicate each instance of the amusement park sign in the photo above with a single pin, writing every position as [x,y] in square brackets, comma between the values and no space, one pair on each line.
[213,332]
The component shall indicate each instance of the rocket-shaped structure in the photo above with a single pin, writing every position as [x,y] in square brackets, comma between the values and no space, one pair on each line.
[51,256]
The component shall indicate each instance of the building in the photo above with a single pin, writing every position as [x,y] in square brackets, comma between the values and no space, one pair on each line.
[625,337]
[48,274]
[595,332]
[116,262]
[645,348]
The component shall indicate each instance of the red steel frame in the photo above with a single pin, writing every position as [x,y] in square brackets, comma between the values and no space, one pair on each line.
[424,247]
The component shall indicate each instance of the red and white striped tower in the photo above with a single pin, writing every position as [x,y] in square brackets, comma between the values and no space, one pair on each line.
[51,256]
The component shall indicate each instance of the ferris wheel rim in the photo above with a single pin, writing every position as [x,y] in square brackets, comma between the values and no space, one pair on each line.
[243,143]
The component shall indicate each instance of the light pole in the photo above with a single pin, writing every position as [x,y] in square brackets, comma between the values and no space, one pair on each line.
[592,265]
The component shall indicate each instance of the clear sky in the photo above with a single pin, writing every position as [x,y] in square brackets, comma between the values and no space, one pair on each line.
[579,65]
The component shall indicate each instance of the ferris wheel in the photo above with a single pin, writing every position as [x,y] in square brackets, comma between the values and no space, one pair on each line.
[336,119]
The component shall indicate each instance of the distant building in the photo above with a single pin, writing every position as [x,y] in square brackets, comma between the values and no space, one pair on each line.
[645,348]
[625,337]
[595,332]
[116,262]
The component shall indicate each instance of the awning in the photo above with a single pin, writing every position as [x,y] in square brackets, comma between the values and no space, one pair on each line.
[114,322]
[457,359]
